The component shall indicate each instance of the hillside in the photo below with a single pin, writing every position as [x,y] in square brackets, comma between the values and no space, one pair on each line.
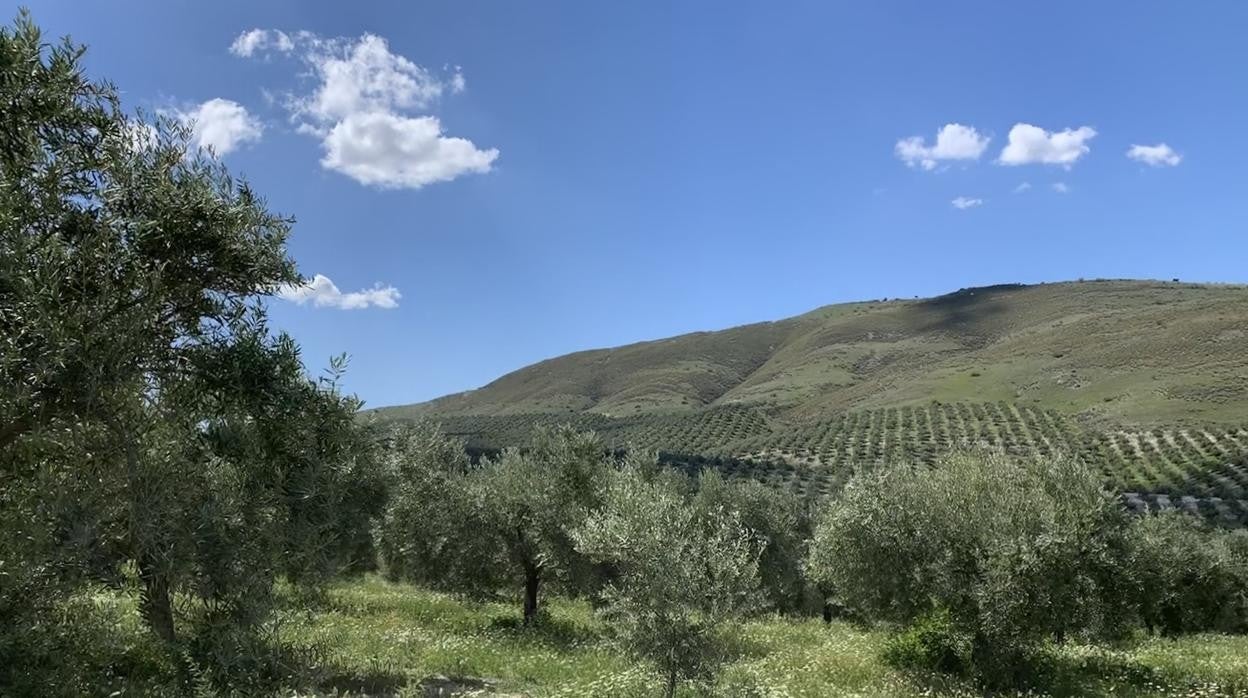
[1147,380]
[1114,353]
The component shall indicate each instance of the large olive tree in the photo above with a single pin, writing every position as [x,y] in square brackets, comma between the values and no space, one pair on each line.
[1012,551]
[146,412]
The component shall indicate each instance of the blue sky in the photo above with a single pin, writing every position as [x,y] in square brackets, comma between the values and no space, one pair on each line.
[522,180]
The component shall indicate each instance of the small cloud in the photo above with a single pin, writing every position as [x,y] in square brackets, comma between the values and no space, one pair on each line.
[953,142]
[458,84]
[1061,188]
[1160,155]
[249,42]
[323,293]
[221,125]
[1033,145]
[962,203]
[392,151]
[1022,187]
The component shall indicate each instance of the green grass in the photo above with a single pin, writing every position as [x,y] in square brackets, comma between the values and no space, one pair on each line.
[370,637]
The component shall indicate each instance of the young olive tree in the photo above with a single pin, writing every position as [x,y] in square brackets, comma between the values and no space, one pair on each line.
[681,574]
[1010,551]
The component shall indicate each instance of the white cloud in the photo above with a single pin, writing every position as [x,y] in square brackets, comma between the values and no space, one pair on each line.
[1022,187]
[323,293]
[1061,188]
[962,203]
[249,42]
[364,76]
[953,142]
[1155,155]
[1031,144]
[394,151]
[222,125]
[369,108]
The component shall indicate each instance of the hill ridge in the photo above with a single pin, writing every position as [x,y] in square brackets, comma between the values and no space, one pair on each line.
[1129,352]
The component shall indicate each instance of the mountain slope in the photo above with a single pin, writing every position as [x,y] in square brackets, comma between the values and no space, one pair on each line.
[1135,353]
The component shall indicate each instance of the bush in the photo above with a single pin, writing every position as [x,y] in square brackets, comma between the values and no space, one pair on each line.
[932,643]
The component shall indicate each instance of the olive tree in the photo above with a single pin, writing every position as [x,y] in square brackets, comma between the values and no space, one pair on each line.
[505,522]
[432,531]
[781,525]
[1189,578]
[532,499]
[681,575]
[145,409]
[1012,551]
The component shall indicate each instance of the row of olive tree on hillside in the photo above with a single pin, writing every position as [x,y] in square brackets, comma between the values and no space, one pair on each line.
[149,420]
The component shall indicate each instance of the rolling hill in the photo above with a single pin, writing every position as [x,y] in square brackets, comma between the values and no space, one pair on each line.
[1147,379]
[1121,353]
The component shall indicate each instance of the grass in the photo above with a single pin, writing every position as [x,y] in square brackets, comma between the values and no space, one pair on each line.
[371,637]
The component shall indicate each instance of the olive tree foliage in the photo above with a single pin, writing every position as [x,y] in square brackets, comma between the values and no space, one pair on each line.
[147,415]
[1013,551]
[682,573]
[431,532]
[1189,578]
[781,525]
[505,522]
[532,499]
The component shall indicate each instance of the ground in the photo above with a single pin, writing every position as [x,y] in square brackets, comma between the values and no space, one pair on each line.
[371,637]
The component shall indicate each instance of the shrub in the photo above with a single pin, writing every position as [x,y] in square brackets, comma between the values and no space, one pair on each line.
[931,643]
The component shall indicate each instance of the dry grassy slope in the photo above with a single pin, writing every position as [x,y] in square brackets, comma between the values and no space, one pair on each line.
[1134,352]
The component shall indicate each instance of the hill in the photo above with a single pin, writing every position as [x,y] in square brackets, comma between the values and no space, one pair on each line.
[1149,380]
[1115,353]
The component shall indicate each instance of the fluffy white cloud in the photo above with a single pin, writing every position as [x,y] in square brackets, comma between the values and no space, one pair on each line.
[1031,144]
[1061,188]
[222,125]
[962,203]
[323,293]
[1155,155]
[1022,187]
[249,42]
[394,151]
[369,108]
[953,142]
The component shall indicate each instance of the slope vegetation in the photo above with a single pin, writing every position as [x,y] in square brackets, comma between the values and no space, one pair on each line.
[1120,353]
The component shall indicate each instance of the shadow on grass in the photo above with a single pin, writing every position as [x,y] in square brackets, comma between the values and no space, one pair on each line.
[1060,676]
[549,631]
[373,683]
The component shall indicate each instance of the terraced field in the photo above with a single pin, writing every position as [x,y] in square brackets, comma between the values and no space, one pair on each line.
[1202,469]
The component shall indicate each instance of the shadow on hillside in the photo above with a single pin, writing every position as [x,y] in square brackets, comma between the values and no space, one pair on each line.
[961,310]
